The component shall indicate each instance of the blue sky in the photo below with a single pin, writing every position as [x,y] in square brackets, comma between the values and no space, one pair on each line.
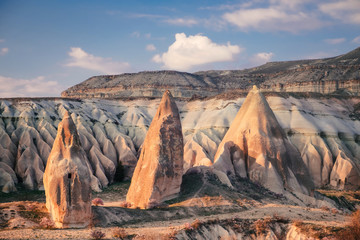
[47,46]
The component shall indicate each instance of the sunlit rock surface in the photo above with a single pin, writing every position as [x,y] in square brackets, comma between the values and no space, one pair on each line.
[256,147]
[158,173]
[67,179]
[323,129]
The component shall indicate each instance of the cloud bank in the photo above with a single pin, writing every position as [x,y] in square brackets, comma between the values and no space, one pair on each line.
[188,52]
[81,59]
[150,47]
[286,18]
[189,22]
[334,41]
[37,87]
[347,11]
[261,58]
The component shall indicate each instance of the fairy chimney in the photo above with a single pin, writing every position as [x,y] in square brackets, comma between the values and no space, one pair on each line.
[67,179]
[256,147]
[158,173]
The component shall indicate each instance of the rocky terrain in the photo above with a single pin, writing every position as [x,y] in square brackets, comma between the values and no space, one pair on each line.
[251,165]
[331,75]
[325,130]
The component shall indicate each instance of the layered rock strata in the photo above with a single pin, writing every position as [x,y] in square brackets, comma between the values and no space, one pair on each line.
[256,147]
[330,75]
[158,173]
[67,179]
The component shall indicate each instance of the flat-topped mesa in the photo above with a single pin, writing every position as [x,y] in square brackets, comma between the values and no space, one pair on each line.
[67,179]
[256,147]
[158,173]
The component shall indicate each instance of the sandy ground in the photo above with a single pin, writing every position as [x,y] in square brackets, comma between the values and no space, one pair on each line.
[159,229]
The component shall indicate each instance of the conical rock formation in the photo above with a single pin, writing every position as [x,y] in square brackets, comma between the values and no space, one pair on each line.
[158,173]
[67,180]
[256,147]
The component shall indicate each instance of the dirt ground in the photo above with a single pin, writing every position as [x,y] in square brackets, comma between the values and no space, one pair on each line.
[162,229]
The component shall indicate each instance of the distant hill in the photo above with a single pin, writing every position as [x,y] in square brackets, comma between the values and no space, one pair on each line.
[339,74]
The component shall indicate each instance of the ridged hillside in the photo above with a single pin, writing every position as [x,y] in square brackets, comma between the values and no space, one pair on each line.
[323,129]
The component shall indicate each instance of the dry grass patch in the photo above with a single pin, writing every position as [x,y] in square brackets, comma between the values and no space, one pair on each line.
[346,199]
[352,230]
[316,231]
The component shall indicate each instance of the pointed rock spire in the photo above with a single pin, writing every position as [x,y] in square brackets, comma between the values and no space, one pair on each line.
[67,179]
[158,173]
[256,147]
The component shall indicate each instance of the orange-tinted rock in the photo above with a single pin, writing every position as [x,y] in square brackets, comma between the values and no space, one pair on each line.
[67,179]
[158,173]
[256,147]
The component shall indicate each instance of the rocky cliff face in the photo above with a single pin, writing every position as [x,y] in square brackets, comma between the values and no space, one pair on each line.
[337,74]
[323,129]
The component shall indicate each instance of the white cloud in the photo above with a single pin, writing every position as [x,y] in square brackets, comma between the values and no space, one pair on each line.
[261,58]
[335,40]
[150,47]
[187,52]
[188,22]
[273,18]
[135,34]
[2,40]
[37,87]
[289,4]
[4,51]
[227,6]
[80,58]
[356,40]
[347,11]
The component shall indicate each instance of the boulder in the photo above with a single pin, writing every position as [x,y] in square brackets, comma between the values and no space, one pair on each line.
[256,147]
[158,173]
[67,179]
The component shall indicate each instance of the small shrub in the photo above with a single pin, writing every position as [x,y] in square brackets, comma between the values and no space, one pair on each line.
[97,201]
[334,211]
[97,235]
[352,231]
[262,225]
[276,217]
[119,233]
[47,223]
[196,224]
[188,227]
[325,208]
[125,204]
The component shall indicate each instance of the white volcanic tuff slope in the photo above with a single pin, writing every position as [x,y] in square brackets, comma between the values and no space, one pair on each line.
[28,130]
[326,137]
[321,130]
[256,147]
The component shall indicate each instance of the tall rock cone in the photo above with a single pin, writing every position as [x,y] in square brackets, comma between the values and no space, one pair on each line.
[256,147]
[67,179]
[158,173]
